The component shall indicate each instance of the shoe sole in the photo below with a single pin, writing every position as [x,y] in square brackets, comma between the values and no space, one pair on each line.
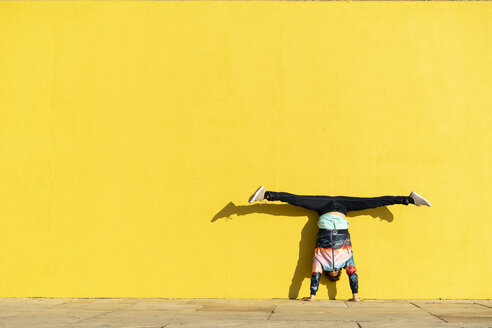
[253,197]
[426,202]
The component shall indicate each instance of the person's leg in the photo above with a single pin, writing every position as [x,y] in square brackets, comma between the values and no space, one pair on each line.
[343,204]
[316,203]
[363,203]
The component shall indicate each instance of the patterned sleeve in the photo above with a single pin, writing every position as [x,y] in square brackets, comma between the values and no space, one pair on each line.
[353,277]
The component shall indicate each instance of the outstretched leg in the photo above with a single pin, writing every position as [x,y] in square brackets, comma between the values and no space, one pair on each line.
[343,204]
[363,203]
[316,203]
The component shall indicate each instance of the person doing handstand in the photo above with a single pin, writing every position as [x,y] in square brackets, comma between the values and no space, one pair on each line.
[333,246]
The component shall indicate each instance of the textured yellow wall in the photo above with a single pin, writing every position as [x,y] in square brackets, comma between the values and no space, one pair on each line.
[127,128]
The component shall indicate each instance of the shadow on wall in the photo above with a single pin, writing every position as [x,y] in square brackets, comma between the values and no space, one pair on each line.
[308,236]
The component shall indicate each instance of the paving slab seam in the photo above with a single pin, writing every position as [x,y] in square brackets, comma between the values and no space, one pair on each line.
[97,315]
[428,312]
[314,320]
[53,305]
[490,307]
[273,311]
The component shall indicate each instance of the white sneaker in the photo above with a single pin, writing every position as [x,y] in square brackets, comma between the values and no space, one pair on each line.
[419,200]
[258,195]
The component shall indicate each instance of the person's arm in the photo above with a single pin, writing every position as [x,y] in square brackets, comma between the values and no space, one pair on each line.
[354,285]
[315,277]
[353,279]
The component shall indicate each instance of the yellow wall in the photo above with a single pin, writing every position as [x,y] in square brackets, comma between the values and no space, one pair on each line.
[127,127]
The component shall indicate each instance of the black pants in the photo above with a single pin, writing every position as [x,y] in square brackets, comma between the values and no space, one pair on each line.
[343,204]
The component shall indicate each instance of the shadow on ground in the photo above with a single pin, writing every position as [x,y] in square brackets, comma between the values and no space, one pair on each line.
[308,235]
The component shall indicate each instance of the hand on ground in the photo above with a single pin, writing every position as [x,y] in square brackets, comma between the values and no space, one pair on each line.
[308,299]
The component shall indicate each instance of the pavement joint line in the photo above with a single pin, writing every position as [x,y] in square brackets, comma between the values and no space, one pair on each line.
[98,315]
[54,305]
[318,320]
[490,307]
[435,315]
[273,311]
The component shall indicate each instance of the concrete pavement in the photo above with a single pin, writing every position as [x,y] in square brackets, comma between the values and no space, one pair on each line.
[171,313]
